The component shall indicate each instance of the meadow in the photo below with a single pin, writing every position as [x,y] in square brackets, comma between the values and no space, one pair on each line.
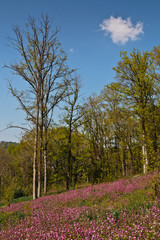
[124,209]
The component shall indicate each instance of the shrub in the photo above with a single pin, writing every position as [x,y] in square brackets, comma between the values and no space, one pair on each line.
[18,193]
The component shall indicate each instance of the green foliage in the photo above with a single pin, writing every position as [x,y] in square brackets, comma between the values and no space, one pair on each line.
[28,209]
[9,190]
[18,193]
[84,202]
[11,218]
[8,145]
[114,127]
[21,199]
[116,215]
[155,184]
[2,204]
[139,200]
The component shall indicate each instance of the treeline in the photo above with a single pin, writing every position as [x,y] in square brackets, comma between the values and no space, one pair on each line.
[112,135]
[5,145]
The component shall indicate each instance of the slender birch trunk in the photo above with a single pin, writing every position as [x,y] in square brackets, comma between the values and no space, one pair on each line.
[45,160]
[40,160]
[68,179]
[35,152]
[41,140]
[144,150]
[144,154]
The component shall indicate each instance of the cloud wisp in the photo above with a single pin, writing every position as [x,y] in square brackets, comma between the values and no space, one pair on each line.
[71,50]
[121,30]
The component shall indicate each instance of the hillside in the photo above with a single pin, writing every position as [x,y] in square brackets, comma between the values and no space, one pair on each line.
[125,209]
[5,144]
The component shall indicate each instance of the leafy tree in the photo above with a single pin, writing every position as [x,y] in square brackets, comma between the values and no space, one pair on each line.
[22,162]
[155,111]
[95,129]
[58,158]
[136,74]
[6,174]
[121,124]
[72,116]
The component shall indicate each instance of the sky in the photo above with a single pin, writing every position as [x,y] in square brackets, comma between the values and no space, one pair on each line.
[92,34]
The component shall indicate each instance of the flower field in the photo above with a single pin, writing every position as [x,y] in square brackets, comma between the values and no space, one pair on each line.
[125,209]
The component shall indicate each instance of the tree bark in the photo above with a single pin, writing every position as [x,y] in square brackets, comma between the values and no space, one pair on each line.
[45,160]
[35,152]
[41,141]
[144,154]
[40,161]
[69,160]
[144,150]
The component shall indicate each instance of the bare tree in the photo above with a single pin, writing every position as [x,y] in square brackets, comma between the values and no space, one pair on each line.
[43,68]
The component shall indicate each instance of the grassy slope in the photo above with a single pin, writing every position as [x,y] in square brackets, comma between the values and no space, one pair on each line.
[125,209]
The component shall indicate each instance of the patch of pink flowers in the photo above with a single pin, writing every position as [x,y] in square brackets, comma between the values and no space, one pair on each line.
[62,216]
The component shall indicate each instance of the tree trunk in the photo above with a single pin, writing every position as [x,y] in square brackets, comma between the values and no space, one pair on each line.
[69,162]
[45,160]
[41,140]
[35,152]
[144,150]
[132,160]
[67,182]
[40,160]
[144,154]
[123,159]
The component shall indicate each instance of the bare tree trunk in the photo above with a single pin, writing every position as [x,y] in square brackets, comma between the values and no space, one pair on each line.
[40,161]
[35,153]
[45,160]
[39,175]
[123,160]
[144,150]
[144,154]
[41,145]
[68,179]
[132,160]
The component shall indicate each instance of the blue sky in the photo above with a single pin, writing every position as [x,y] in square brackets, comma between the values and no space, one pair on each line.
[92,33]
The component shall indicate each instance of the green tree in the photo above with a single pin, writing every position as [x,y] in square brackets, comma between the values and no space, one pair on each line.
[121,124]
[95,130]
[72,120]
[6,174]
[22,157]
[136,74]
[156,105]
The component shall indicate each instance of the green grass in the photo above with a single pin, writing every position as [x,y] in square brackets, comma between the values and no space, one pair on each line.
[2,204]
[16,200]
[10,217]
[21,199]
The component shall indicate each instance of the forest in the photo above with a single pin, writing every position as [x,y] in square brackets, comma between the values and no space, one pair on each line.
[108,136]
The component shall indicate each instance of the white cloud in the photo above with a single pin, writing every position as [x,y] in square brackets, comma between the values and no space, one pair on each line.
[71,50]
[121,30]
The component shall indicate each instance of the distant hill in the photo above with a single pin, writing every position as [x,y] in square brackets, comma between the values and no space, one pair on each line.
[6,144]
